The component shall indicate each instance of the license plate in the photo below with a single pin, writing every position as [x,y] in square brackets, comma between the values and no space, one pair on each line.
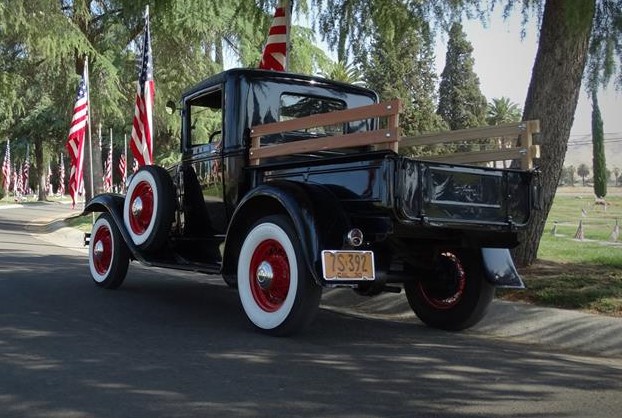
[348,265]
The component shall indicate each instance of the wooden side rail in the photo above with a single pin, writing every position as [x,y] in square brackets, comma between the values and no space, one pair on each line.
[526,151]
[389,138]
[383,137]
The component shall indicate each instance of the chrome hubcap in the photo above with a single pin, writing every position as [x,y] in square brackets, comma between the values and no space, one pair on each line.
[264,275]
[99,248]
[137,206]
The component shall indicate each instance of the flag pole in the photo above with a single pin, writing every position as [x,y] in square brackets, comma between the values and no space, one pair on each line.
[126,160]
[88,100]
[289,6]
[111,163]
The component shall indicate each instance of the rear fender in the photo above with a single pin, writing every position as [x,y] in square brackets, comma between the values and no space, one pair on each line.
[113,204]
[315,212]
[499,268]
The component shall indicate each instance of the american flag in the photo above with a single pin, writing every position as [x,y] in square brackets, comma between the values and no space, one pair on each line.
[15,182]
[122,166]
[142,130]
[61,177]
[6,167]
[48,181]
[19,187]
[26,174]
[75,142]
[123,171]
[108,174]
[274,56]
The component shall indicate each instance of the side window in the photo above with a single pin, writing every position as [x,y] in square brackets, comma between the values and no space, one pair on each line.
[295,106]
[206,116]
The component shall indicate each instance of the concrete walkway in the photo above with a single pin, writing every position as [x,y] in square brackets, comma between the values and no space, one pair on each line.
[563,330]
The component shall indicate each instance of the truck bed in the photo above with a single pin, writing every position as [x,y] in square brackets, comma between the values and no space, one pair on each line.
[416,191]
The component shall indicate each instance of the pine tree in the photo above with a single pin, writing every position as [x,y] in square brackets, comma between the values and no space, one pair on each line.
[461,103]
[400,64]
[598,150]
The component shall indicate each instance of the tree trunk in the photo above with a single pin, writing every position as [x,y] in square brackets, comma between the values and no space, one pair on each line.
[552,97]
[41,171]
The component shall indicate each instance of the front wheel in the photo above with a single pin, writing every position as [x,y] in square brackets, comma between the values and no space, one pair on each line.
[456,295]
[109,256]
[277,292]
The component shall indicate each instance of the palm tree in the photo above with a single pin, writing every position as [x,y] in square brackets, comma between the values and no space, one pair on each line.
[583,171]
[344,72]
[502,110]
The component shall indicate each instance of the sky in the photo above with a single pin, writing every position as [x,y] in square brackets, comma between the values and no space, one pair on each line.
[503,63]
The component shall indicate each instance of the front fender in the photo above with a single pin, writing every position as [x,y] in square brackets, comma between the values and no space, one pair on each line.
[315,212]
[113,204]
[499,268]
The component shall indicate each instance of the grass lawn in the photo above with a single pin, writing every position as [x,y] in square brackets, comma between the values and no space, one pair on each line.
[577,274]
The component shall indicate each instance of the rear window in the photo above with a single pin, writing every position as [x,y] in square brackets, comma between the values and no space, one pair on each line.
[294,106]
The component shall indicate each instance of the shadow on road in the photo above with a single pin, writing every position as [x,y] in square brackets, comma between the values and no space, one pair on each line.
[170,346]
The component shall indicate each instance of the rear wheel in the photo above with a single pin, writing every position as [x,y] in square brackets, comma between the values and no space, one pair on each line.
[456,296]
[277,292]
[109,257]
[148,208]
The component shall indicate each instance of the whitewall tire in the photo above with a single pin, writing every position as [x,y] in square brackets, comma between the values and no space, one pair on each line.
[108,254]
[148,208]
[278,294]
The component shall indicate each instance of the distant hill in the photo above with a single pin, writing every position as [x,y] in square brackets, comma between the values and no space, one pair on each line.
[580,151]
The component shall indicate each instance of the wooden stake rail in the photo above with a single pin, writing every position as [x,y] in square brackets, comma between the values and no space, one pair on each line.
[526,151]
[389,138]
[385,137]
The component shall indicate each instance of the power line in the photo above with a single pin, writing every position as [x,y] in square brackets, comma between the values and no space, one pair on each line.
[606,141]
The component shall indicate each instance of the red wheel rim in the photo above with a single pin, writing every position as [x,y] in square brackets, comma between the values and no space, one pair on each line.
[269,294]
[102,250]
[451,295]
[139,220]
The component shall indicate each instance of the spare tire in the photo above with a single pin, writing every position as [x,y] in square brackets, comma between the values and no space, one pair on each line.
[148,208]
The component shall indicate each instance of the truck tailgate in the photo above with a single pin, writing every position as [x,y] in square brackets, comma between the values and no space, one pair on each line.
[446,194]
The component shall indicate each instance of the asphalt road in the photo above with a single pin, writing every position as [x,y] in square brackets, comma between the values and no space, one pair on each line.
[178,345]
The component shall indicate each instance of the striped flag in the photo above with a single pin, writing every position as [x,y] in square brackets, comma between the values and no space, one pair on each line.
[61,177]
[6,167]
[75,142]
[142,128]
[26,174]
[108,174]
[15,182]
[274,56]
[48,181]
[122,166]
[19,187]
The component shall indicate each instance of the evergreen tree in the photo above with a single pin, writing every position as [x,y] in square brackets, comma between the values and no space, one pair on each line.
[399,63]
[461,103]
[598,150]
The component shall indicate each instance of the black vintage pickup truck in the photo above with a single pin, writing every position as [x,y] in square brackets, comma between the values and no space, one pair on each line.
[289,184]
